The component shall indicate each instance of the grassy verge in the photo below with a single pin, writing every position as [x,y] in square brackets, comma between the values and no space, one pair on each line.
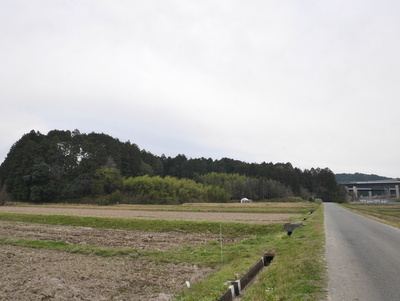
[296,273]
[230,229]
[62,246]
[298,269]
[384,213]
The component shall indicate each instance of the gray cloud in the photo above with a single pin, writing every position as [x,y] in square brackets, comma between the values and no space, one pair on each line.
[313,83]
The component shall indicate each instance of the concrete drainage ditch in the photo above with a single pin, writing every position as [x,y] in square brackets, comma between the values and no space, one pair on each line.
[236,287]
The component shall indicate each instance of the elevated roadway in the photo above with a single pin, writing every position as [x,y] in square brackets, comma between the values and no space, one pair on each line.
[386,188]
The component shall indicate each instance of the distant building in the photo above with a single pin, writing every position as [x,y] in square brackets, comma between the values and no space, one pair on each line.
[245,200]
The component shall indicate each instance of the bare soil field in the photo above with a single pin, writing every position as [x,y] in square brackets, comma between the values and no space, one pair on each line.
[32,274]
[41,274]
[258,218]
[141,240]
[256,204]
[28,274]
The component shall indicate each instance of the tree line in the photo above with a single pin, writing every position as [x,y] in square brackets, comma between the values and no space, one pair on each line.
[65,166]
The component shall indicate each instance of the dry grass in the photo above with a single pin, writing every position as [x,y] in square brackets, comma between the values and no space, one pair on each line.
[384,213]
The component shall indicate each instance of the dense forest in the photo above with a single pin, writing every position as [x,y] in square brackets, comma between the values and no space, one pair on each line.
[70,166]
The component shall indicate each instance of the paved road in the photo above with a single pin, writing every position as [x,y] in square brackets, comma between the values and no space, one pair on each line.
[363,257]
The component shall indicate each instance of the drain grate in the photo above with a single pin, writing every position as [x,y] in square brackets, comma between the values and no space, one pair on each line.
[237,286]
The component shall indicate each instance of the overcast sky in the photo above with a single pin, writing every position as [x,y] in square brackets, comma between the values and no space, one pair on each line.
[314,83]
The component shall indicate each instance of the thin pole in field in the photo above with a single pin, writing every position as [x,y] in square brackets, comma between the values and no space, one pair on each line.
[220,237]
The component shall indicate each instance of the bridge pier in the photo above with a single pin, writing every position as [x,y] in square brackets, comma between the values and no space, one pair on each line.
[355,191]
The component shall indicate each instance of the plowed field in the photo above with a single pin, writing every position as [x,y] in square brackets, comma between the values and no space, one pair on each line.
[42,274]
[257,218]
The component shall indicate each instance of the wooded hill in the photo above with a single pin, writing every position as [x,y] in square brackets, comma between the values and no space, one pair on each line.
[71,166]
[357,177]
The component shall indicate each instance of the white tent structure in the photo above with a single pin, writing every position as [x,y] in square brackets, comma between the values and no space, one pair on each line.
[245,200]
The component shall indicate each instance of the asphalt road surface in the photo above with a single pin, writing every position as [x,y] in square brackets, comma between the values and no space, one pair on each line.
[363,257]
